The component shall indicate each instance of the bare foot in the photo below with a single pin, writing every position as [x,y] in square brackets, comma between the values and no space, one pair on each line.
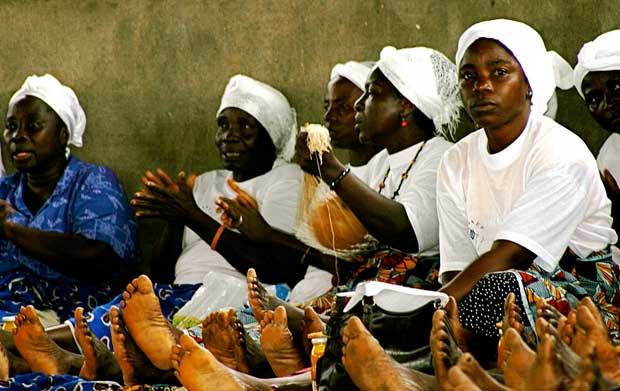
[277,342]
[311,323]
[223,336]
[142,315]
[454,325]
[459,381]
[545,373]
[135,366]
[40,352]
[518,360]
[259,299]
[590,322]
[99,362]
[4,363]
[367,363]
[512,315]
[586,378]
[198,370]
[444,343]
[478,375]
[566,327]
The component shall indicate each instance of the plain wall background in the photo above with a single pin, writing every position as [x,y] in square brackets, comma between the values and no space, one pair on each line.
[149,74]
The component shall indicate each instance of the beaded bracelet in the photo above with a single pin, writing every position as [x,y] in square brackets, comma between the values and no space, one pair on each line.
[339,178]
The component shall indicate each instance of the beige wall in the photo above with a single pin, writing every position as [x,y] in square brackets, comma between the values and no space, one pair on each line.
[149,73]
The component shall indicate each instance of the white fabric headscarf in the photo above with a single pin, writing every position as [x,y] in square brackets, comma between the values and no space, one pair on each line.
[428,80]
[528,48]
[563,79]
[602,54]
[353,71]
[268,106]
[60,98]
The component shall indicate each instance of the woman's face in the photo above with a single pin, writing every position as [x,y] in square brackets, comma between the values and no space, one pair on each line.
[602,94]
[339,115]
[493,87]
[243,143]
[36,137]
[378,110]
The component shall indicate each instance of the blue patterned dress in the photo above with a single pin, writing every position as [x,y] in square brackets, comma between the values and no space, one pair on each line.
[88,200]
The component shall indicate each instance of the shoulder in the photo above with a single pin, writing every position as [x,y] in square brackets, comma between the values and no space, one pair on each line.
[611,146]
[459,153]
[91,174]
[553,145]
[8,184]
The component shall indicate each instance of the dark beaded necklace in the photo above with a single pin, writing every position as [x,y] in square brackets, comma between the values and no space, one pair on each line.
[404,175]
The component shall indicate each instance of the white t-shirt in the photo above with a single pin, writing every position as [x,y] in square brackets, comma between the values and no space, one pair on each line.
[417,193]
[609,156]
[609,159]
[542,192]
[277,195]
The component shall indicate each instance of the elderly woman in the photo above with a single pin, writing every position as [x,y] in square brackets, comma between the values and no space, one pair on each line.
[521,205]
[255,136]
[394,195]
[66,228]
[410,96]
[597,79]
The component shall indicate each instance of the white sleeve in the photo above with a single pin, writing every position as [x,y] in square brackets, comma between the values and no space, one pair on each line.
[545,216]
[456,250]
[279,203]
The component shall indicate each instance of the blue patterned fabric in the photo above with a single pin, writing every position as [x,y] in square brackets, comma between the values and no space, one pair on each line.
[171,299]
[38,381]
[88,200]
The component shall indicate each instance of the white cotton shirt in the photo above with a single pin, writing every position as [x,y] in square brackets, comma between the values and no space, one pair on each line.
[417,193]
[609,159]
[609,156]
[542,192]
[277,195]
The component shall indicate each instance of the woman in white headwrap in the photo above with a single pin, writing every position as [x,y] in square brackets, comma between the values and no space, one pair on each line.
[597,79]
[64,224]
[521,206]
[394,195]
[345,87]
[255,137]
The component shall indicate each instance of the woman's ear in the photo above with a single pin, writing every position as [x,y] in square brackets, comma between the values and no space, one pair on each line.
[64,135]
[407,108]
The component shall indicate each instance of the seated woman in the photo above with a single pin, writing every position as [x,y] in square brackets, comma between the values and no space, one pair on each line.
[417,84]
[66,227]
[521,205]
[394,196]
[256,129]
[597,79]
[345,87]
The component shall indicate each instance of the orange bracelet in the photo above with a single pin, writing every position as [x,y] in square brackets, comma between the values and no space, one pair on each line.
[216,237]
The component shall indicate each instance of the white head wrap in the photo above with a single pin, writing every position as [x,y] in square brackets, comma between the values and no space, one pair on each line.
[602,54]
[528,48]
[353,71]
[268,106]
[563,79]
[428,80]
[60,98]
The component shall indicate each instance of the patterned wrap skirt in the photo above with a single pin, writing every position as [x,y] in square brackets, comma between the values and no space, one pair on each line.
[595,276]
[387,265]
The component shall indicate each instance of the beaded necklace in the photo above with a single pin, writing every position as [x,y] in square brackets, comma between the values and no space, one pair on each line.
[404,175]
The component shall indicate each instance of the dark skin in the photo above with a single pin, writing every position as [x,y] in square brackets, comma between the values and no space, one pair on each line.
[381,108]
[496,95]
[245,149]
[602,96]
[36,139]
[339,118]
